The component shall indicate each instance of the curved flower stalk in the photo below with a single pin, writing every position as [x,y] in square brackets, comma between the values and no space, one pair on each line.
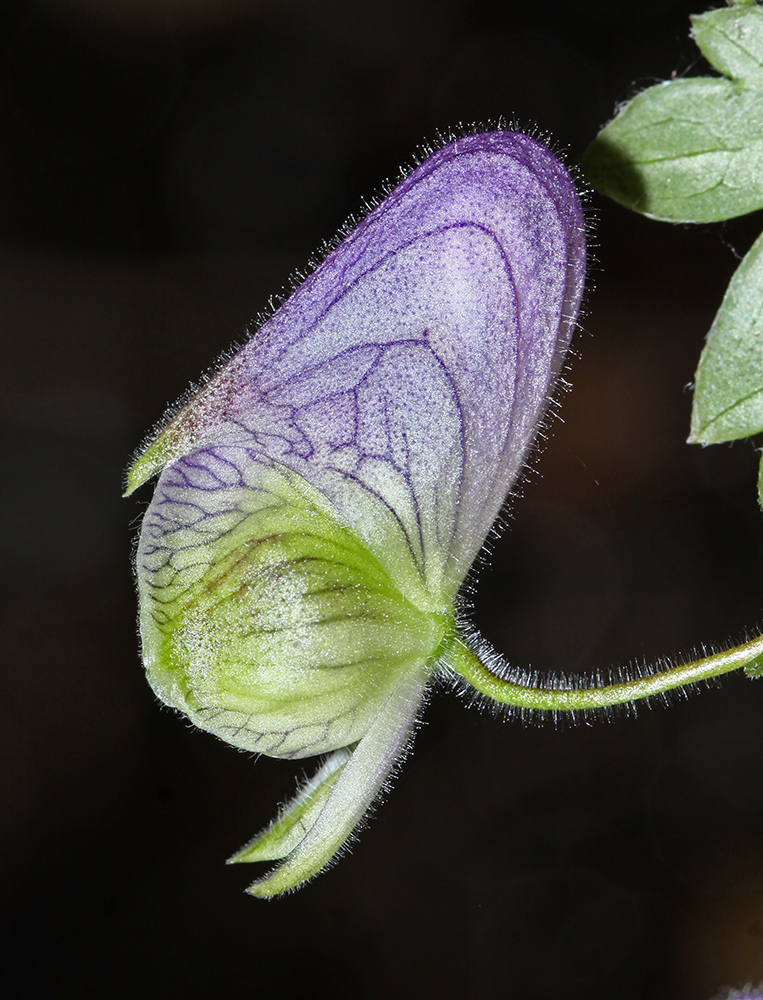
[322,498]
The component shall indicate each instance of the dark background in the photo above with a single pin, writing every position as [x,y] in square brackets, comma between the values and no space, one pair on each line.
[164,166]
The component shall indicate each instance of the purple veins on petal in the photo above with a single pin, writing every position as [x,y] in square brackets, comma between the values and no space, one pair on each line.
[407,376]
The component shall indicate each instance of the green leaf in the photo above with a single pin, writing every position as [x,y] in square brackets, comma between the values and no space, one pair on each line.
[728,394]
[731,39]
[683,151]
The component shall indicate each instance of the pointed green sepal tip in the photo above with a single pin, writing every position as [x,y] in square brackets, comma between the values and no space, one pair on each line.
[156,451]
[147,464]
[297,818]
[186,426]
[755,668]
[339,800]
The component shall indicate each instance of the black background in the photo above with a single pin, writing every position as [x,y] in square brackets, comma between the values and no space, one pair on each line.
[164,166]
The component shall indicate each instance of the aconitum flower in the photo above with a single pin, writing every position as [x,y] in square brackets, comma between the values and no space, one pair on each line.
[323,497]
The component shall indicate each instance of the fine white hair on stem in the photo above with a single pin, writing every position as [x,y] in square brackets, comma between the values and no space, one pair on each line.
[530,679]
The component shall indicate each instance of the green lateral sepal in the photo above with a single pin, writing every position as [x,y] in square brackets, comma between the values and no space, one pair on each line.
[297,817]
[359,783]
[264,617]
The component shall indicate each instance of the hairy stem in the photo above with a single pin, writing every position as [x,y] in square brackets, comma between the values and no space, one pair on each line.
[580,698]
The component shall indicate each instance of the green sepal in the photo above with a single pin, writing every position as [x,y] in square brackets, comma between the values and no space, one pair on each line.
[186,427]
[362,778]
[297,817]
[148,463]
[728,394]
[683,151]
[268,621]
[731,39]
